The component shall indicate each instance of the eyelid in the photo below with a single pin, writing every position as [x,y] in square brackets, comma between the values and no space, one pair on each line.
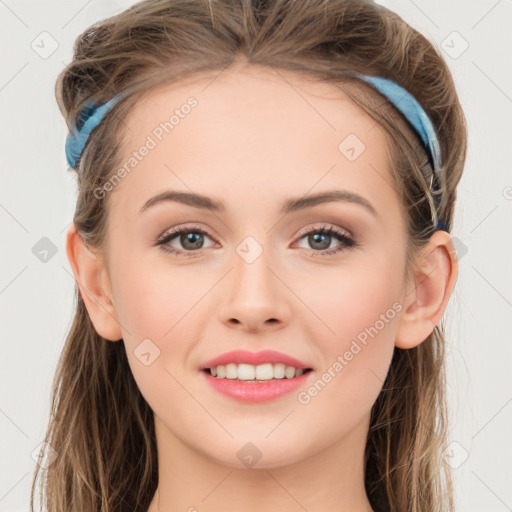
[325,225]
[344,235]
[186,227]
[303,231]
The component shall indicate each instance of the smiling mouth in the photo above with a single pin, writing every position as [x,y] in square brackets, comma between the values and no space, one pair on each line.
[291,373]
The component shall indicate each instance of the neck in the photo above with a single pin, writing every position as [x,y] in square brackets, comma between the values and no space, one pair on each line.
[331,480]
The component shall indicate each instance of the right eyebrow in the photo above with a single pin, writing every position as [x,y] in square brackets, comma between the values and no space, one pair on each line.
[191,199]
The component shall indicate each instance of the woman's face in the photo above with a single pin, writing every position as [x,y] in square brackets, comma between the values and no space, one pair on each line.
[259,143]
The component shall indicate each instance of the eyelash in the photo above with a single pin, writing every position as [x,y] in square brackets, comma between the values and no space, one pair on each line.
[347,241]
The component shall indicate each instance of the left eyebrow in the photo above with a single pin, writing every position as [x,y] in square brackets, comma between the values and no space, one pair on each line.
[293,205]
[289,206]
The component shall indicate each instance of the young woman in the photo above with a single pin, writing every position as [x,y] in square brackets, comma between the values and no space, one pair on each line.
[262,254]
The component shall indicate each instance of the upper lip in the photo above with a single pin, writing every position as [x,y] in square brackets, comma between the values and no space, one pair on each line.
[254,358]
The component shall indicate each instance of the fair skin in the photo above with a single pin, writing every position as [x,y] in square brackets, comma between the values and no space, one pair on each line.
[252,142]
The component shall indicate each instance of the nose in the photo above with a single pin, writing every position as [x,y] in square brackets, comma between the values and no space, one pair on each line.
[256,297]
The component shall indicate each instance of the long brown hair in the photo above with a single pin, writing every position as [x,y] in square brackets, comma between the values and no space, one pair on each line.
[100,425]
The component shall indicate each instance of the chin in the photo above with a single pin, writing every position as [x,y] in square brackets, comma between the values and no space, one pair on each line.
[258,454]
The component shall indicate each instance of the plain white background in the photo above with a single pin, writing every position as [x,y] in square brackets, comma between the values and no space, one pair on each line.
[37,197]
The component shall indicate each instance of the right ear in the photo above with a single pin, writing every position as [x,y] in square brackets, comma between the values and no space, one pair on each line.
[94,284]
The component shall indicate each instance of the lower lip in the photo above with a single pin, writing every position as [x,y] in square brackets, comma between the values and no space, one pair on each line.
[250,392]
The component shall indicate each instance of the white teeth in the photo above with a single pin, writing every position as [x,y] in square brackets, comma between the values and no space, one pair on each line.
[245,372]
[289,372]
[279,370]
[231,371]
[265,371]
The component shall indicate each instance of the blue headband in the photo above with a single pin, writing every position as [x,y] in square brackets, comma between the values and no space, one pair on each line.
[92,115]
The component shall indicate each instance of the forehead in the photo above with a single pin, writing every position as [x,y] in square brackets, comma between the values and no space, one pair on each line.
[250,127]
[250,100]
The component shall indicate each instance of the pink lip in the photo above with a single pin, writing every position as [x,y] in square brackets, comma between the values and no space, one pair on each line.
[249,392]
[243,356]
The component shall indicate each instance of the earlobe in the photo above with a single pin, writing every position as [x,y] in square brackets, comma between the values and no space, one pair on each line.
[427,296]
[92,279]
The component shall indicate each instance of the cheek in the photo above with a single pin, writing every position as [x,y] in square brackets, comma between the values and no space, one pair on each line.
[152,299]
[161,318]
[355,299]
[157,307]
[356,344]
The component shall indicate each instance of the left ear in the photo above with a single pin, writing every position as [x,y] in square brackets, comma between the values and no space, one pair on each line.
[434,278]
